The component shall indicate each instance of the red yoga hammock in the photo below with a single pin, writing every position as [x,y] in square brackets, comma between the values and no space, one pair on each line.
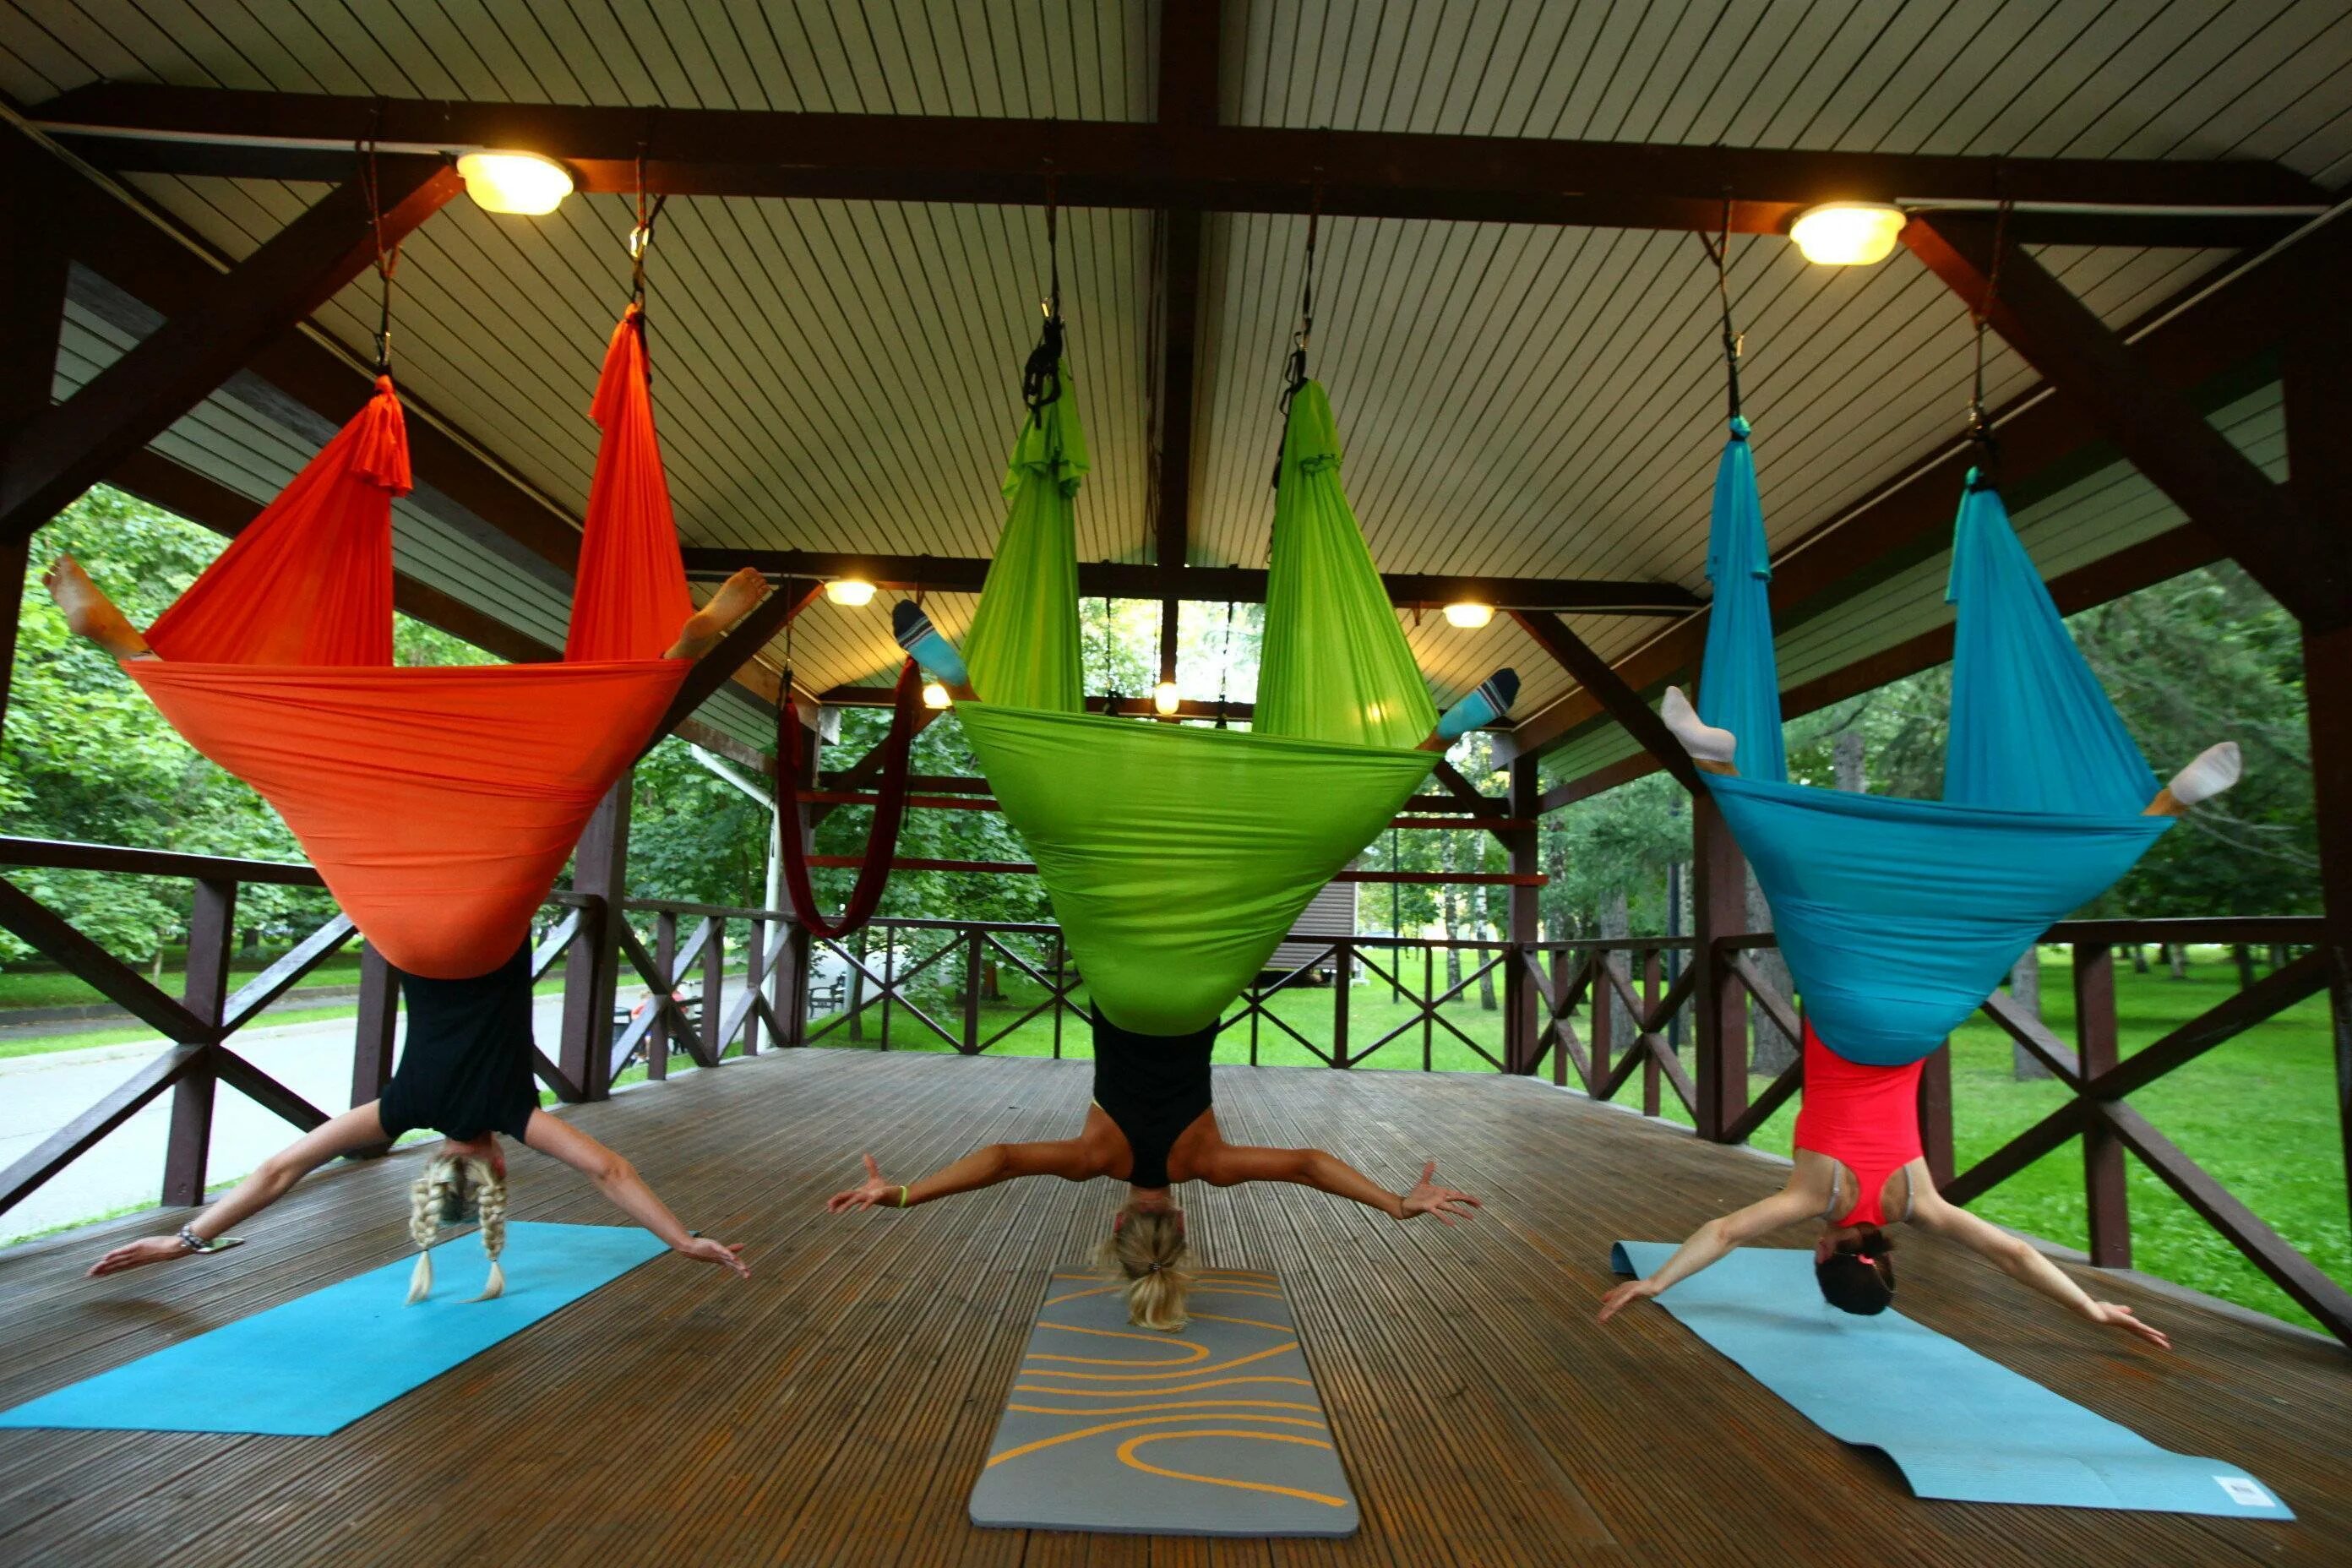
[439,803]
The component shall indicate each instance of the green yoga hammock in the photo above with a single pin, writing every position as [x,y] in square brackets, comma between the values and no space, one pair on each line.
[1899,916]
[1177,858]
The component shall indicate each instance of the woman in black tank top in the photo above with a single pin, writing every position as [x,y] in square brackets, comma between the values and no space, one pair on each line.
[1152,1124]
[465,1072]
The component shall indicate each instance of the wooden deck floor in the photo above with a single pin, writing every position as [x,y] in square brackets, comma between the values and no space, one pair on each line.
[836,1408]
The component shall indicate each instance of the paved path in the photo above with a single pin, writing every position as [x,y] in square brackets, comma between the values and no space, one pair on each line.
[39,1094]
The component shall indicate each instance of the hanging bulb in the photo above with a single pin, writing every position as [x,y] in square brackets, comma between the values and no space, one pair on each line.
[1164,699]
[935,696]
[524,182]
[850,593]
[1848,233]
[1468,615]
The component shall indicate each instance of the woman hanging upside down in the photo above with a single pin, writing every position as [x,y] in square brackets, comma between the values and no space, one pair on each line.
[1859,1162]
[1152,1124]
[466,1071]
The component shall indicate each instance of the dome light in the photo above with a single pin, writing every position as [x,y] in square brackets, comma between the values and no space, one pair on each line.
[1164,698]
[850,593]
[1848,233]
[935,696]
[524,182]
[1469,615]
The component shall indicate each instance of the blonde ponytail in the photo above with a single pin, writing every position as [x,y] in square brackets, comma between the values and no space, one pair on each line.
[454,1189]
[1148,1248]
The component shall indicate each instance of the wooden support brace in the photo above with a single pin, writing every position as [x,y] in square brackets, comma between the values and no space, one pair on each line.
[1609,688]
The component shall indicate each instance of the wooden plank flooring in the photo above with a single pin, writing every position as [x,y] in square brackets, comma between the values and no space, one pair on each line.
[836,1408]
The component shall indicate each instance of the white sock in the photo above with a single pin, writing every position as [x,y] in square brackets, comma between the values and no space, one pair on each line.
[1705,742]
[2215,770]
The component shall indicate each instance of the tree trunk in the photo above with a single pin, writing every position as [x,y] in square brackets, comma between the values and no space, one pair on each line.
[2278,956]
[1845,762]
[1616,924]
[2140,958]
[1449,911]
[249,943]
[2245,958]
[1485,977]
[991,988]
[2025,989]
[2176,954]
[1772,1051]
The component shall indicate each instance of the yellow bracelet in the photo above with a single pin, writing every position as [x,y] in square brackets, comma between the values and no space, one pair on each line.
[902,1194]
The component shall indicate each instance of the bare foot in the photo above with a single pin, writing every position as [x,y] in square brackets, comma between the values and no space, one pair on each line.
[90,613]
[735,599]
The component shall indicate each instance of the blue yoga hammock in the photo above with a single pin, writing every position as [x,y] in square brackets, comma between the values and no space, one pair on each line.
[1899,916]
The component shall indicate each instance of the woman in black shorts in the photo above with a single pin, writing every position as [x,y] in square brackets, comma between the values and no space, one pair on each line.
[465,1072]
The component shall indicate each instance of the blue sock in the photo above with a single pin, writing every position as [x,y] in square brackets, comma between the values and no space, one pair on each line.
[919,637]
[1489,702]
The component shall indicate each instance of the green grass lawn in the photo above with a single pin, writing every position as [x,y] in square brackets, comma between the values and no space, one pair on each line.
[2259,1112]
[35,987]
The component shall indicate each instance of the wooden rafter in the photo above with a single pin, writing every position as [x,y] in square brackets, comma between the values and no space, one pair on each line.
[1163,166]
[60,452]
[1190,46]
[2187,341]
[2306,565]
[1216,584]
[1609,688]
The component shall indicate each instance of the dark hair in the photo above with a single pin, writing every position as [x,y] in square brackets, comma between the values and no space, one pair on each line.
[1858,1277]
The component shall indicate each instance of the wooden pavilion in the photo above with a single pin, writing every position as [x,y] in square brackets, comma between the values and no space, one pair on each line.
[1517,324]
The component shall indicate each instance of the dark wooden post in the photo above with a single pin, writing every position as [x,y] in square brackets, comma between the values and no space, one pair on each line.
[592,969]
[2106,1199]
[372,1039]
[2319,478]
[1651,986]
[971,993]
[714,988]
[792,981]
[212,928]
[1718,908]
[1604,1010]
[665,972]
[1935,1114]
[33,282]
[1344,956]
[1520,1029]
[1554,1016]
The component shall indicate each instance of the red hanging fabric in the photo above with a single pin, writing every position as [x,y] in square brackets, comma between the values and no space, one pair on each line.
[439,803]
[890,811]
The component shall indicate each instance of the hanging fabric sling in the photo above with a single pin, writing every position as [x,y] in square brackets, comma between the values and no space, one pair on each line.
[1899,916]
[889,812]
[1177,858]
[438,804]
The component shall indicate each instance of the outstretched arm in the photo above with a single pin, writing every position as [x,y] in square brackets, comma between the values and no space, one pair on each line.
[1229,1165]
[1710,1241]
[354,1129]
[1067,1157]
[2020,1261]
[619,1182]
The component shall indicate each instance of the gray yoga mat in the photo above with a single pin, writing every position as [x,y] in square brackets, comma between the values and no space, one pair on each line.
[1214,1431]
[1959,1426]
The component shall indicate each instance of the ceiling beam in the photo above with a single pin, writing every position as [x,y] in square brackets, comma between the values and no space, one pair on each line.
[742,643]
[1191,43]
[1166,166]
[1214,585]
[2305,566]
[1594,674]
[69,447]
[2138,566]
[2046,441]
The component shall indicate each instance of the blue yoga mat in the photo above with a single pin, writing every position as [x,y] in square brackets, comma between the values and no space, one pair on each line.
[1957,1424]
[315,1364]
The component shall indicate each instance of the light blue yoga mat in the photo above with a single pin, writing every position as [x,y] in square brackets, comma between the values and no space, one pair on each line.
[1214,1431]
[1959,1426]
[315,1364]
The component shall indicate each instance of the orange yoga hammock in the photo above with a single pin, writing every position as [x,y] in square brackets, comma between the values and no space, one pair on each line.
[439,803]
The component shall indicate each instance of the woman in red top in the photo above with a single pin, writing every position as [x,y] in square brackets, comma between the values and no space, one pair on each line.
[1860,1167]
[1859,1163]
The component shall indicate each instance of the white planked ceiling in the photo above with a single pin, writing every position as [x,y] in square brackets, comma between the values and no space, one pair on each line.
[1516,400]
